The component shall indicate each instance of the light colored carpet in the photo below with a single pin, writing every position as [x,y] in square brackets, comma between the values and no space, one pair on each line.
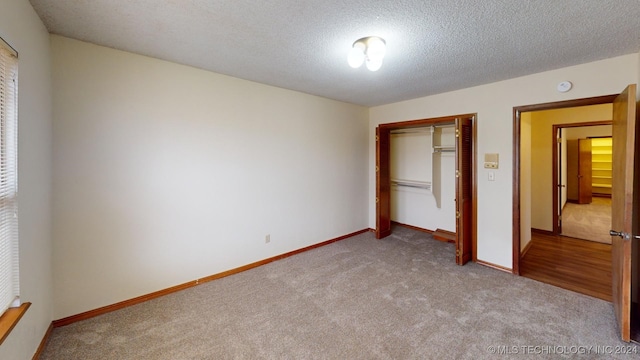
[360,298]
[588,221]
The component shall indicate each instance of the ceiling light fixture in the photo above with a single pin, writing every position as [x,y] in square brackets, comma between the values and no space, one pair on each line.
[370,49]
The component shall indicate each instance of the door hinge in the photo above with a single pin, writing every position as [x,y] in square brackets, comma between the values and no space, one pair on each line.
[377,169]
[457,214]
[559,140]
[457,252]
[377,200]
[457,173]
[457,133]
[377,138]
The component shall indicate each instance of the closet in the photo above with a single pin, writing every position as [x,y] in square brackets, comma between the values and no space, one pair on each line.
[589,168]
[601,155]
[424,178]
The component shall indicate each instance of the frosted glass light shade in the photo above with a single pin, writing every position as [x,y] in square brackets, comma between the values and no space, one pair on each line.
[374,65]
[376,49]
[368,49]
[356,56]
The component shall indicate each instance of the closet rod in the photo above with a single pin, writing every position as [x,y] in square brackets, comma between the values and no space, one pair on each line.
[412,184]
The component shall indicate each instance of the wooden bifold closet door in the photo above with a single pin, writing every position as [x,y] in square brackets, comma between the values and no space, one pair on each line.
[383,183]
[464,196]
[464,188]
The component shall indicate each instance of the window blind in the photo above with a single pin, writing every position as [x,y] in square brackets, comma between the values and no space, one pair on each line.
[9,267]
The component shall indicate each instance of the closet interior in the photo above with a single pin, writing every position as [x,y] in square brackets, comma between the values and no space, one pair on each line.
[423,166]
[601,154]
[425,171]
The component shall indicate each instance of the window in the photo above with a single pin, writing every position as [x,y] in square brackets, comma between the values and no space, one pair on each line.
[10,306]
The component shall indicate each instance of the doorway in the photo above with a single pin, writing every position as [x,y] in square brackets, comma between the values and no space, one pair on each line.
[625,201]
[464,145]
[549,161]
[582,174]
[520,218]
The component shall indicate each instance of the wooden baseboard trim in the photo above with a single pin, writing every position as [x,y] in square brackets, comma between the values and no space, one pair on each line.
[413,227]
[140,299]
[445,235]
[540,231]
[43,343]
[601,195]
[526,248]
[494,266]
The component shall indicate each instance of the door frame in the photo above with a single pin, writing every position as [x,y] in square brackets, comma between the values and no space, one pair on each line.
[387,128]
[517,111]
[556,164]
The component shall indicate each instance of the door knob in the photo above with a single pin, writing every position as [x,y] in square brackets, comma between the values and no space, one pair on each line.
[623,235]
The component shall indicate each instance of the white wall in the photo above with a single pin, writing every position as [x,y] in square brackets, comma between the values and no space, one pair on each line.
[412,159]
[410,155]
[165,173]
[494,104]
[22,29]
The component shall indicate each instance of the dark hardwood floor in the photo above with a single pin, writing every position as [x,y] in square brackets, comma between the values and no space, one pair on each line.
[579,265]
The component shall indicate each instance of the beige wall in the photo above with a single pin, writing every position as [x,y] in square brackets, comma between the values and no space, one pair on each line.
[494,104]
[22,29]
[165,173]
[542,155]
[584,132]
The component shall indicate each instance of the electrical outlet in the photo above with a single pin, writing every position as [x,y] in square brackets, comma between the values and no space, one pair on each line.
[267,239]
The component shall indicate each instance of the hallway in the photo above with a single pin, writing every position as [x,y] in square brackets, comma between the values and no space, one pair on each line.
[588,221]
[578,265]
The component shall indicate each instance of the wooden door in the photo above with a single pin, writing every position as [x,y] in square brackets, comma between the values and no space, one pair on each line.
[560,182]
[383,183]
[464,197]
[572,170]
[585,183]
[623,206]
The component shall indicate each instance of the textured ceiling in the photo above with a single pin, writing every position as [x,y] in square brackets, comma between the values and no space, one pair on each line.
[433,46]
